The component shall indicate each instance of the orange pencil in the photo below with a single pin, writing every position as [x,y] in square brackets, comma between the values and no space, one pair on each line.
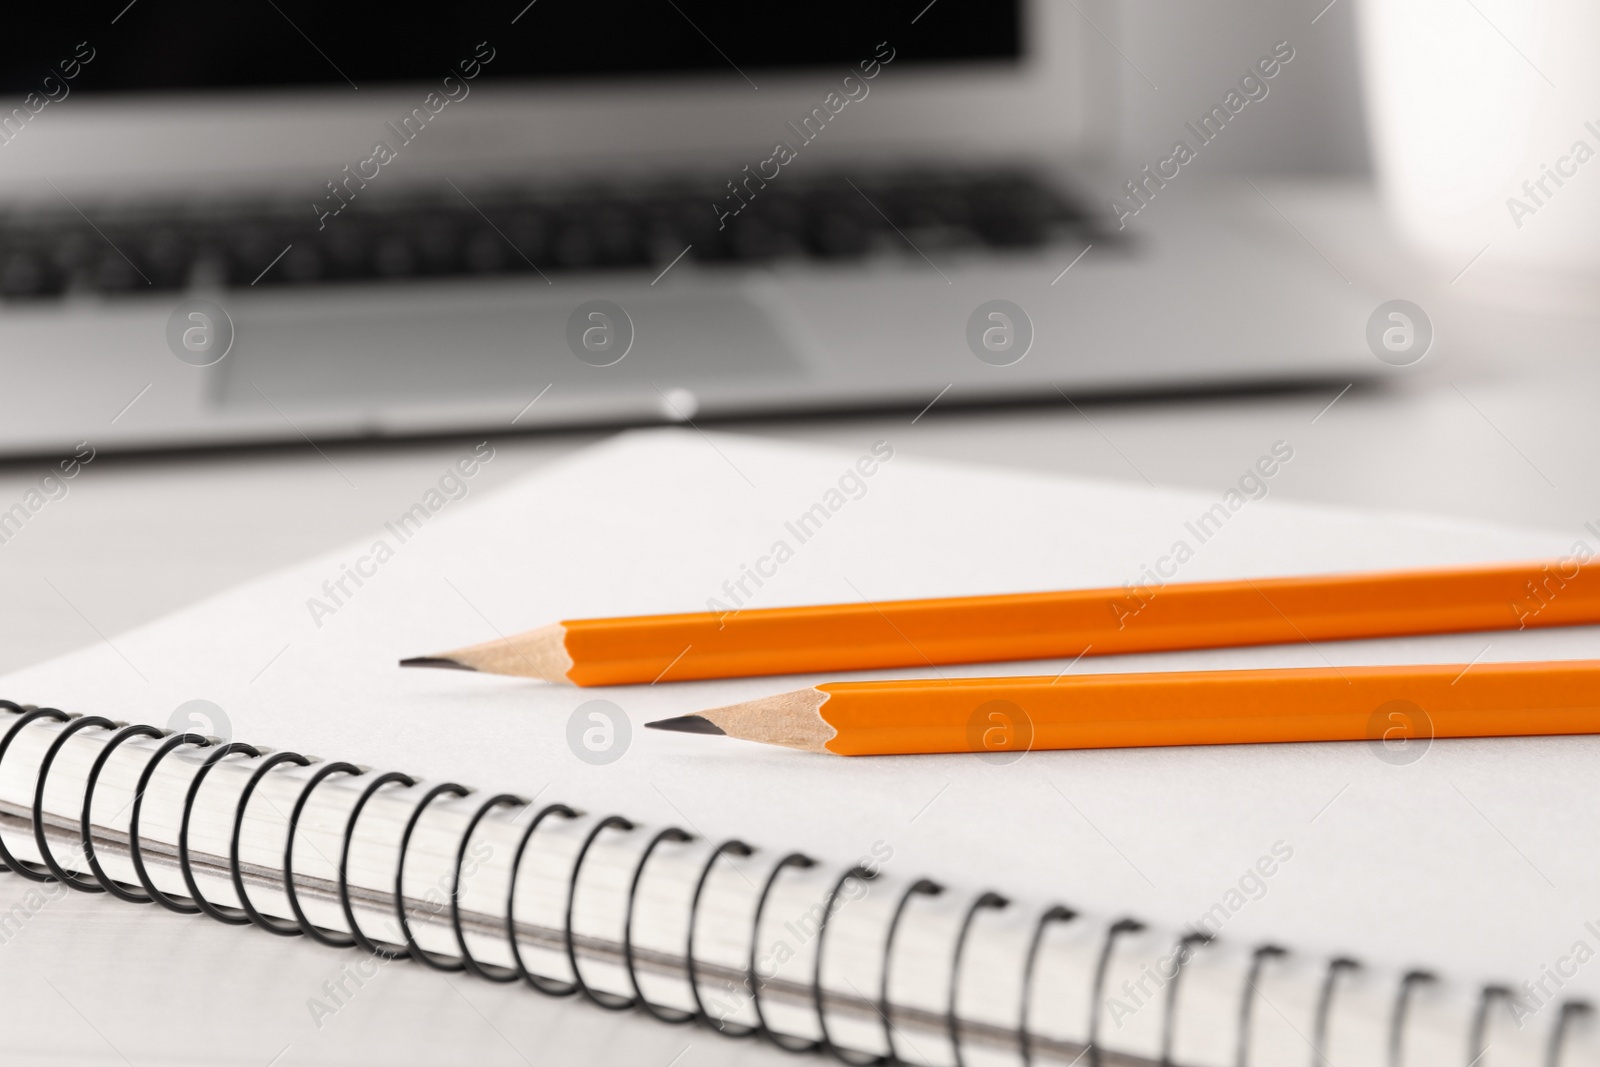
[1099,622]
[998,715]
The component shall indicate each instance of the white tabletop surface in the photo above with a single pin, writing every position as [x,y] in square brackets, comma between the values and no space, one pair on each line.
[1497,423]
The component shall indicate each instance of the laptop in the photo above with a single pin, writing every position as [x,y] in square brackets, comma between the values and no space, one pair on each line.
[281,220]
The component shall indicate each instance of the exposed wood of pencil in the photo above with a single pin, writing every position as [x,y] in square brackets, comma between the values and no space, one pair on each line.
[1381,704]
[538,653]
[1097,622]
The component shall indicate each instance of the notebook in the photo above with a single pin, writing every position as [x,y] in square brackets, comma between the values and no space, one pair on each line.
[1347,904]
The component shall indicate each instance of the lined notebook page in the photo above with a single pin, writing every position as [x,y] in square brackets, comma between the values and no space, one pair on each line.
[1472,860]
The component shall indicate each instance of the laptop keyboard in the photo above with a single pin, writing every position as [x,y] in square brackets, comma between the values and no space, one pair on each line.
[839,218]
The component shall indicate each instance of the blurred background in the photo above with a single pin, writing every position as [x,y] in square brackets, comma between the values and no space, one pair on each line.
[1125,378]
[1320,129]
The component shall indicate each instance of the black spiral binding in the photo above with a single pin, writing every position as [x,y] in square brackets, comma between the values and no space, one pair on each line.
[174,741]
[358,935]
[1169,1026]
[549,987]
[1114,931]
[327,937]
[52,870]
[673,834]
[951,1019]
[1247,1000]
[1397,1018]
[31,871]
[492,974]
[925,887]
[1558,1033]
[85,837]
[732,847]
[272,926]
[232,918]
[59,873]
[1478,1042]
[608,1001]
[1330,982]
[1057,914]
[794,859]
[418,953]
[860,874]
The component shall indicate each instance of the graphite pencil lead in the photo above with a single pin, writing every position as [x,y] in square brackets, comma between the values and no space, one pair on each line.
[436,661]
[687,724]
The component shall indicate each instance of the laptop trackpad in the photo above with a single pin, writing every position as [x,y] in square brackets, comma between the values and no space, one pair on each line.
[407,352]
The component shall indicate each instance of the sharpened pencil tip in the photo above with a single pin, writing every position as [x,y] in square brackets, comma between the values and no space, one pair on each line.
[436,661]
[687,724]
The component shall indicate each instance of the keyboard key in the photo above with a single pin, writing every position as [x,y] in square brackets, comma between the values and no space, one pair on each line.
[486,252]
[112,272]
[26,272]
[303,263]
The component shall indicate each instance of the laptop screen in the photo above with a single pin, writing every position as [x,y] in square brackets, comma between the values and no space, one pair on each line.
[156,45]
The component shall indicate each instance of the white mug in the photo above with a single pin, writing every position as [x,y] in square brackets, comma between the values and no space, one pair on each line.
[1485,127]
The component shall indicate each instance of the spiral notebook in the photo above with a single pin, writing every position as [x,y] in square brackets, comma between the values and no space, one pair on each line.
[1347,904]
